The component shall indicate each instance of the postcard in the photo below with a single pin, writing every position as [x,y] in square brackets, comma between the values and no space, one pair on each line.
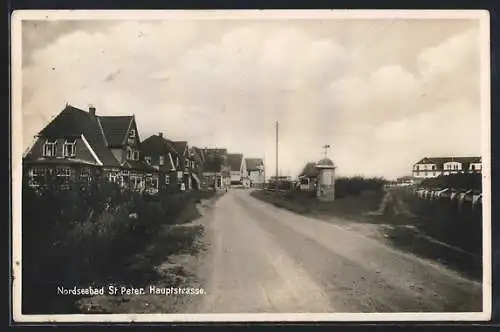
[250,165]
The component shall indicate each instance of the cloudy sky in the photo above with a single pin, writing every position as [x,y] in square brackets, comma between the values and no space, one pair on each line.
[382,92]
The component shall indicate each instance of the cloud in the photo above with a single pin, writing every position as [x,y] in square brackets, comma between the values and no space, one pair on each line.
[226,84]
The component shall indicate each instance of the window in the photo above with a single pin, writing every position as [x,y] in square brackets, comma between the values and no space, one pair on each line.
[161,160]
[167,179]
[69,148]
[148,160]
[131,133]
[434,167]
[63,175]
[177,161]
[63,172]
[49,149]
[132,154]
[112,177]
[85,173]
[192,164]
[36,176]
[125,174]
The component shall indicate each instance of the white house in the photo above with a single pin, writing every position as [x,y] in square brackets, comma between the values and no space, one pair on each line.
[255,170]
[238,169]
[430,167]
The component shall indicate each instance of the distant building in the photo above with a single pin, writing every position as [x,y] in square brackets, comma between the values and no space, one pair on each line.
[216,171]
[255,171]
[174,161]
[431,167]
[237,167]
[308,177]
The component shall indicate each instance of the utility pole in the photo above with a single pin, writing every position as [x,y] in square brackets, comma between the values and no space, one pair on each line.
[277,127]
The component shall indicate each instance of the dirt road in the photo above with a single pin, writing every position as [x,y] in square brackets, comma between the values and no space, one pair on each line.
[264,259]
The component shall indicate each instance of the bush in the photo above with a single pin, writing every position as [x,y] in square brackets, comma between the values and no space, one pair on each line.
[86,235]
[458,181]
[353,186]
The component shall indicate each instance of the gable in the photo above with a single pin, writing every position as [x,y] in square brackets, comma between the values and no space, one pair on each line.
[116,129]
[253,164]
[76,123]
[235,161]
[83,152]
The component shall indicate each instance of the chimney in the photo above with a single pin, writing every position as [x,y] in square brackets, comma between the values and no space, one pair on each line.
[92,111]
[160,134]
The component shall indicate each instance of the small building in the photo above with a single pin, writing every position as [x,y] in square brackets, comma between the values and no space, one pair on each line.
[255,171]
[325,190]
[216,171]
[307,179]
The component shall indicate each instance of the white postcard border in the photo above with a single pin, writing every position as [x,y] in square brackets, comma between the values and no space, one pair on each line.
[16,157]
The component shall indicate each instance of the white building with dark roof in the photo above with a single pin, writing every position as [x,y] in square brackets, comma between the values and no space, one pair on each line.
[431,167]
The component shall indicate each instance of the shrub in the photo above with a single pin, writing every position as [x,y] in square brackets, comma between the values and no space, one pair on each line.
[352,186]
[86,235]
[458,181]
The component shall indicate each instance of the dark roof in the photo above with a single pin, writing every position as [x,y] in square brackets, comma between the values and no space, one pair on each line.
[309,170]
[199,152]
[208,152]
[157,144]
[179,146]
[234,161]
[116,129]
[253,163]
[213,165]
[440,161]
[215,159]
[325,162]
[73,122]
[138,165]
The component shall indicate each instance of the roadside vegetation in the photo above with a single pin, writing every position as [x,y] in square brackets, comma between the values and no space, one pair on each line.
[456,181]
[438,229]
[97,234]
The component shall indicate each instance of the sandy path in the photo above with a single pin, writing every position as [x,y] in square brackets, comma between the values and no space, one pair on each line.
[265,259]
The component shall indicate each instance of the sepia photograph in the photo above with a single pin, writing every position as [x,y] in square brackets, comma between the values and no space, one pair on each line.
[241,165]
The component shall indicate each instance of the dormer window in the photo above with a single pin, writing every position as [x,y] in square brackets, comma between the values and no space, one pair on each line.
[131,133]
[177,162]
[148,160]
[161,160]
[49,149]
[69,148]
[132,154]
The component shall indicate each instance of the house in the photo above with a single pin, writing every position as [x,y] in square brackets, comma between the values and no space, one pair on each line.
[255,171]
[197,159]
[122,138]
[216,171]
[175,160]
[80,146]
[308,177]
[160,154]
[238,169]
[430,167]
